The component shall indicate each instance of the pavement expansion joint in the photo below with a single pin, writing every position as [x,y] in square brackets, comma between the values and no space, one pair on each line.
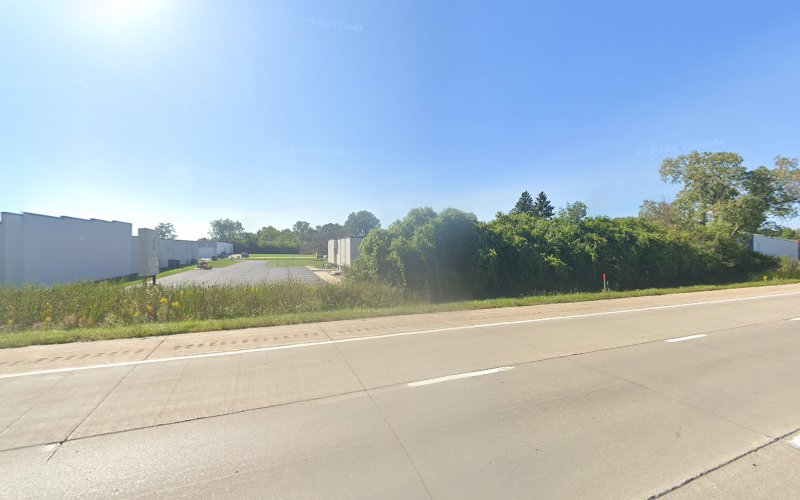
[726,463]
[56,447]
[205,417]
[98,404]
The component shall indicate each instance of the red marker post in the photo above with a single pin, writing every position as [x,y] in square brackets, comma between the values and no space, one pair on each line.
[604,283]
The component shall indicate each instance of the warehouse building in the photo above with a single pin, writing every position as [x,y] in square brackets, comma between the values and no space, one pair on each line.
[208,249]
[40,249]
[343,252]
[776,247]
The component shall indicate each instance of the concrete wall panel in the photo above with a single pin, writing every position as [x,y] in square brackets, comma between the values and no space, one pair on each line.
[14,249]
[41,249]
[344,251]
[777,247]
[181,250]
[66,249]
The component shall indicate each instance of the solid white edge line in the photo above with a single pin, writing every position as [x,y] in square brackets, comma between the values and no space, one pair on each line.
[388,335]
[460,376]
[688,337]
[795,319]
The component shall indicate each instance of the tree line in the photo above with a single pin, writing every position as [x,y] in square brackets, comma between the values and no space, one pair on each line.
[697,238]
[301,238]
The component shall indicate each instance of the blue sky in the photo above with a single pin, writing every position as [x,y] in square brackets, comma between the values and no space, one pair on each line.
[270,112]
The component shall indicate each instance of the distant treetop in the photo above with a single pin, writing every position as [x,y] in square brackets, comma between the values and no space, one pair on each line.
[166,231]
[542,208]
[361,223]
[524,204]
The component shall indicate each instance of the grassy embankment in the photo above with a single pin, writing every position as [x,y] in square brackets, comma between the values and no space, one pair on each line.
[97,311]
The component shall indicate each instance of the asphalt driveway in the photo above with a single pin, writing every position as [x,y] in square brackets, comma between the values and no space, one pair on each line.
[245,272]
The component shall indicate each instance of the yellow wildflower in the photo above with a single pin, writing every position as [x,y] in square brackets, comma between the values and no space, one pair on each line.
[164,300]
[176,304]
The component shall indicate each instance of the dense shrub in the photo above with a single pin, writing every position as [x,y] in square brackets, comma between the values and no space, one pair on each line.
[452,255]
[429,253]
[787,269]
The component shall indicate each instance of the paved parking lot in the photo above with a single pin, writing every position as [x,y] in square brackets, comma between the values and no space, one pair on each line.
[245,272]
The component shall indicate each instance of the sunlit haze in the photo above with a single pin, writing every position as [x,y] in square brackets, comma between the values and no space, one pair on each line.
[271,112]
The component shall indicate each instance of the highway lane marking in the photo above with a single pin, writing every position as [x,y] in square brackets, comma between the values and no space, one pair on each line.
[795,319]
[460,376]
[795,441]
[380,337]
[688,337]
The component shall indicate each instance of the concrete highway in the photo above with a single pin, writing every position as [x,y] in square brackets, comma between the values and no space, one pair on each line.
[681,396]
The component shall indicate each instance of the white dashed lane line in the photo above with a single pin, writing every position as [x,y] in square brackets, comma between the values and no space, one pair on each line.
[689,337]
[460,376]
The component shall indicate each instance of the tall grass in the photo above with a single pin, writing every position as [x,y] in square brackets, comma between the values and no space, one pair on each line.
[260,306]
[106,304]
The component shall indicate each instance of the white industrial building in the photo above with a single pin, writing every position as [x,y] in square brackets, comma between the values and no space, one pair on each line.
[40,249]
[208,249]
[344,251]
[776,247]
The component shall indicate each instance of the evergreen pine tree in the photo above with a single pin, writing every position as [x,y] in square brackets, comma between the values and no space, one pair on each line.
[524,204]
[543,208]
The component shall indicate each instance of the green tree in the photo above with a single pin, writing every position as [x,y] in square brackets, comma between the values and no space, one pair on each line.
[225,230]
[524,204]
[166,231]
[709,180]
[662,213]
[718,189]
[360,223]
[574,212]
[429,253]
[789,234]
[318,242]
[301,227]
[542,207]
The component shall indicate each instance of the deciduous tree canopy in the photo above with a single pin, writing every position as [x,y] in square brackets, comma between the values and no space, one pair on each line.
[361,223]
[225,230]
[718,189]
[166,231]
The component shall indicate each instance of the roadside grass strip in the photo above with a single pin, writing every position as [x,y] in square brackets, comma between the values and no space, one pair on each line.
[20,337]
[373,338]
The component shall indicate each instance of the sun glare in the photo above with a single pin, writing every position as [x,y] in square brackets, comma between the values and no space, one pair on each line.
[118,12]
